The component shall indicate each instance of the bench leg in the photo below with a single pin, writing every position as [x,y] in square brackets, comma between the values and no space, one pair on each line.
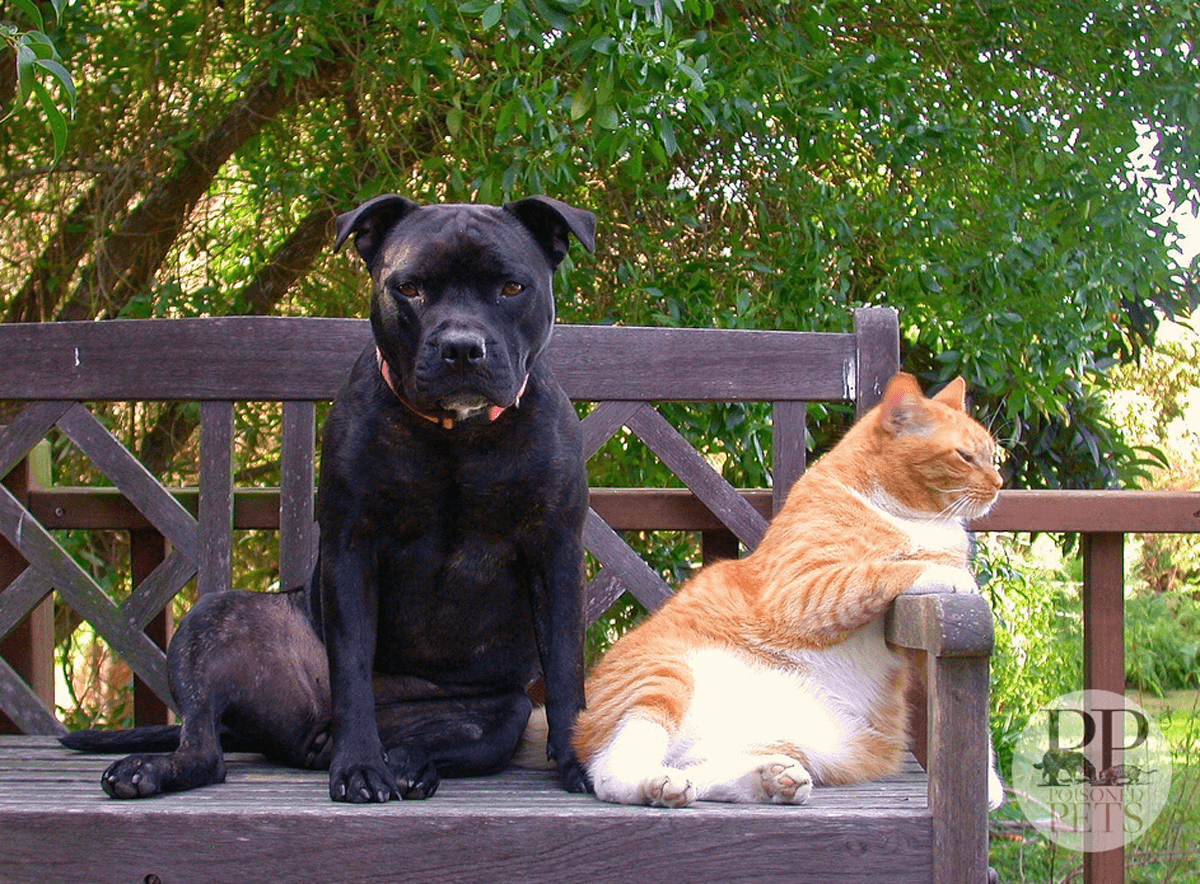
[958,759]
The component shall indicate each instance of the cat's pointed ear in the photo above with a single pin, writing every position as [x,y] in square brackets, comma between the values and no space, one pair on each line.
[902,408]
[954,394]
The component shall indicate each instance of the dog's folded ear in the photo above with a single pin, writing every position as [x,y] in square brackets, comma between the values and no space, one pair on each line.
[550,221]
[370,222]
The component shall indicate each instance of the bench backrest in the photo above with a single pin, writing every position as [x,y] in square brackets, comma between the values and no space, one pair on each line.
[55,368]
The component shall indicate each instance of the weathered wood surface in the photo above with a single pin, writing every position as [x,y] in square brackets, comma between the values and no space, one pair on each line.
[280,358]
[679,509]
[269,823]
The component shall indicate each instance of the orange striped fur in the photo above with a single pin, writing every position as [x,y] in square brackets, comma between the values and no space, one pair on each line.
[765,674]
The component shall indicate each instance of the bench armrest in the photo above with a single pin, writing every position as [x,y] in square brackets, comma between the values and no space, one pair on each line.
[944,624]
[954,630]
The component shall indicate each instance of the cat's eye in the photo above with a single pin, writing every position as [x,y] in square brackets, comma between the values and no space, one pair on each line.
[967,456]
[512,288]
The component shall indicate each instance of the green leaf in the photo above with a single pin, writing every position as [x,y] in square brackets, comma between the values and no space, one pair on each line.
[25,72]
[56,119]
[32,13]
[667,133]
[607,118]
[62,75]
[491,16]
[581,101]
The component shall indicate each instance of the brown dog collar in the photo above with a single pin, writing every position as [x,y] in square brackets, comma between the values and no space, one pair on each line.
[444,420]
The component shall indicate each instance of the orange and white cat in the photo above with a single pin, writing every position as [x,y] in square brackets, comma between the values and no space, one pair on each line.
[764,675]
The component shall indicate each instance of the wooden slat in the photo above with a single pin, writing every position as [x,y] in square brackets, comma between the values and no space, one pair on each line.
[129,475]
[296,516]
[948,624]
[627,566]
[1104,656]
[1090,512]
[877,332]
[20,597]
[958,758]
[696,364]
[158,588]
[1104,612]
[686,463]
[23,706]
[43,552]
[27,429]
[678,509]
[281,358]
[600,594]
[267,823]
[789,454]
[216,497]
[148,553]
[601,424]
[107,508]
[263,357]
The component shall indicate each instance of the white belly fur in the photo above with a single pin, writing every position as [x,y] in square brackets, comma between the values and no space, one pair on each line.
[743,704]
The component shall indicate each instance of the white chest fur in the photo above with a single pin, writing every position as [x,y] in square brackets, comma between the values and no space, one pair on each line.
[926,533]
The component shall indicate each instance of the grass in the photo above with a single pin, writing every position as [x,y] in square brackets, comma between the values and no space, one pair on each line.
[1168,852]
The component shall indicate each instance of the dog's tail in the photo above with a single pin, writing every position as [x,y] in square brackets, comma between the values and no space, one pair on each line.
[531,751]
[150,738]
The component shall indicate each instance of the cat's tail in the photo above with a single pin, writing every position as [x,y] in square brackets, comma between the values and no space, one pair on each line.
[149,738]
[531,750]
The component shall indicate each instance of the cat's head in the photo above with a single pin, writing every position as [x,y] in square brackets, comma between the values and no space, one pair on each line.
[936,459]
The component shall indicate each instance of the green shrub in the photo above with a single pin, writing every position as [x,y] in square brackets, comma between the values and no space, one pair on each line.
[1038,620]
[1162,642]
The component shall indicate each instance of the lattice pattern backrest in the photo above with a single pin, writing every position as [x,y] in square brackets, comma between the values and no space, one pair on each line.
[302,361]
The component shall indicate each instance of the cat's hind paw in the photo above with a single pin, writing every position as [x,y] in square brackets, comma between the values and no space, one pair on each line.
[783,780]
[669,788]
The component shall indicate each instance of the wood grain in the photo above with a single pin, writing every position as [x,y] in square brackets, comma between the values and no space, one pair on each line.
[268,823]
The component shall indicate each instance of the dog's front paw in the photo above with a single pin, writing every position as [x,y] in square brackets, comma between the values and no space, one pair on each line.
[361,782]
[574,776]
[416,776]
[138,776]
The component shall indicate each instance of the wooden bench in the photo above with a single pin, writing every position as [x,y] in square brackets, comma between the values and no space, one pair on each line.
[273,824]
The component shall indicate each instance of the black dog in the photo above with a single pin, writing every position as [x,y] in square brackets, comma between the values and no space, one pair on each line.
[451,504]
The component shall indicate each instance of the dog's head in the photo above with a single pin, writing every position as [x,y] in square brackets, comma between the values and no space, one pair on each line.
[463,302]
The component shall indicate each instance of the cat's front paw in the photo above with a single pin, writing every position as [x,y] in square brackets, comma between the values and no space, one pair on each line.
[783,780]
[669,788]
[943,578]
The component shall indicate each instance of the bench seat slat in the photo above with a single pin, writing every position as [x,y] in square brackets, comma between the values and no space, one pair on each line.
[271,823]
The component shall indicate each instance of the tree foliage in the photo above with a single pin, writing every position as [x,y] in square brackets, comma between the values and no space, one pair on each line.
[751,164]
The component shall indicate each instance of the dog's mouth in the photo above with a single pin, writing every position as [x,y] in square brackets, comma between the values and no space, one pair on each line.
[465,405]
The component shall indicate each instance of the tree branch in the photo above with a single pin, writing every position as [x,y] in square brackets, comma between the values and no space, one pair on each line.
[44,287]
[128,259]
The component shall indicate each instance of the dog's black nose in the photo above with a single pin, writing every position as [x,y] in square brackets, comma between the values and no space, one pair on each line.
[463,347]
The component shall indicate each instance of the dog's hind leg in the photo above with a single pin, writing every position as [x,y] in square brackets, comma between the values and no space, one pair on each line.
[460,737]
[248,672]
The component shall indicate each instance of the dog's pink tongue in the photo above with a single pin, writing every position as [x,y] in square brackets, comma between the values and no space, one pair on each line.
[495,411]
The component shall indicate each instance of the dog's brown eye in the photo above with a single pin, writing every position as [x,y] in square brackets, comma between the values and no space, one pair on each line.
[408,289]
[513,288]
